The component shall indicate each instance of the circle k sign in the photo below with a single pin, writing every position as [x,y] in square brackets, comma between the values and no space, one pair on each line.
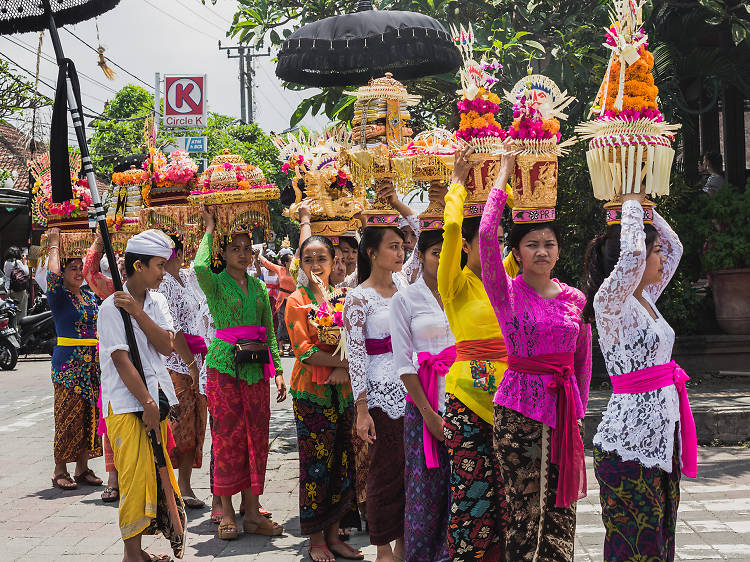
[185,101]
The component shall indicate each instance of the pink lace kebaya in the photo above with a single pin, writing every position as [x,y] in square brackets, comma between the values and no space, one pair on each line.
[532,326]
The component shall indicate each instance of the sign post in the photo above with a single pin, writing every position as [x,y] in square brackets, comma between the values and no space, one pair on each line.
[184,101]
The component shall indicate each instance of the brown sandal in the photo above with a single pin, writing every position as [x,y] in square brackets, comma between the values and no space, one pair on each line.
[84,479]
[228,531]
[272,529]
[66,477]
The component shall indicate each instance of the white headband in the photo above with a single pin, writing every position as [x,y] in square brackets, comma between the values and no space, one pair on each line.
[151,243]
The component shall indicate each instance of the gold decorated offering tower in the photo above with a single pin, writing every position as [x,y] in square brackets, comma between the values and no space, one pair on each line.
[379,128]
[71,216]
[630,145]
[478,108]
[535,139]
[237,194]
[322,178]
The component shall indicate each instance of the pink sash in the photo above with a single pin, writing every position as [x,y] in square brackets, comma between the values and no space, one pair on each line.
[567,445]
[431,367]
[196,344]
[660,376]
[235,333]
[379,347]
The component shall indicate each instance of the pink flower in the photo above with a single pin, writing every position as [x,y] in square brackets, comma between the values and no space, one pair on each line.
[338,318]
[285,167]
[227,166]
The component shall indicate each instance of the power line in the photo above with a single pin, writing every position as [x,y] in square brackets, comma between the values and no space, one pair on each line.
[201,16]
[53,88]
[158,9]
[214,12]
[30,49]
[109,59]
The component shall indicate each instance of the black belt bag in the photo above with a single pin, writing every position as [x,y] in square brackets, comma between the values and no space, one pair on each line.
[249,351]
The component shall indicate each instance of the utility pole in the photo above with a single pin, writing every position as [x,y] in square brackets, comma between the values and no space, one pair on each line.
[241,56]
[245,56]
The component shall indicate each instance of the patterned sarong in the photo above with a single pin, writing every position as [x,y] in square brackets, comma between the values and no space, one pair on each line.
[540,530]
[187,419]
[639,507]
[240,415]
[76,420]
[478,514]
[326,464]
[427,496]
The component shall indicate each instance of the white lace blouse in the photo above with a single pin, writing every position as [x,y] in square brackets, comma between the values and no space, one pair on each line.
[418,324]
[639,426]
[367,316]
[185,310]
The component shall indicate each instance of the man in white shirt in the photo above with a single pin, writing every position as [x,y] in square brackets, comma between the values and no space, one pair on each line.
[130,407]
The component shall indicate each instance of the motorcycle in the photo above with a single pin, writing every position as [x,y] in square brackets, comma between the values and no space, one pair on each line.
[35,332]
[9,341]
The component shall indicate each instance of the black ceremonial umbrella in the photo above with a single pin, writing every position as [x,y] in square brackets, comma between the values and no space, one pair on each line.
[21,16]
[350,49]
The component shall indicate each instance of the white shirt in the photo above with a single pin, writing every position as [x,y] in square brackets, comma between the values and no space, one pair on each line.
[367,316]
[111,330]
[418,325]
[638,426]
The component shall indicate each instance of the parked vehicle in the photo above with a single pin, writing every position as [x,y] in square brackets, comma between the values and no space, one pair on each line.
[9,340]
[35,332]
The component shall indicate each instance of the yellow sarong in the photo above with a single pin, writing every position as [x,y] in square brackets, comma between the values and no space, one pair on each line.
[134,459]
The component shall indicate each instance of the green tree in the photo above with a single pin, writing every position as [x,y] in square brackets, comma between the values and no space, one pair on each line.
[17,94]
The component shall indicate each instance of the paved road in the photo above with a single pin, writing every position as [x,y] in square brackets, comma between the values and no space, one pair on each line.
[38,523]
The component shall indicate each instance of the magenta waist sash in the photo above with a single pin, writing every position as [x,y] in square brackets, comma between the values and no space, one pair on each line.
[235,333]
[431,368]
[661,376]
[378,347]
[196,344]
[567,445]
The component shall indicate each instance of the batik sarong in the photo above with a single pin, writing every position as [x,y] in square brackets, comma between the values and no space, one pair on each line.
[478,513]
[239,432]
[639,507]
[538,530]
[427,496]
[76,421]
[361,462]
[326,464]
[187,419]
[385,480]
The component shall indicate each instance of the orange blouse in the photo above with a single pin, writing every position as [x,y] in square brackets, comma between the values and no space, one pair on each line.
[305,342]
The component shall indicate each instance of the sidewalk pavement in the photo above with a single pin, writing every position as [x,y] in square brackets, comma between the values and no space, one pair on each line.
[39,523]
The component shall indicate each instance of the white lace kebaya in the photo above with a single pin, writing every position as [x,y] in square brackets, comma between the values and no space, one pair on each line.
[186,314]
[367,317]
[638,426]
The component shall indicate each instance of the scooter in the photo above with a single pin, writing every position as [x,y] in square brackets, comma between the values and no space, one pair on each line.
[9,341]
[36,332]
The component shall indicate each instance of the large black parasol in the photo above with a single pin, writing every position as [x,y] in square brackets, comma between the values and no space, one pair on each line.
[17,16]
[350,49]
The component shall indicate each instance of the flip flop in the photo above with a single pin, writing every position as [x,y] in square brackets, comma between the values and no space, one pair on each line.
[264,512]
[324,548]
[193,503]
[352,554]
[255,529]
[110,494]
[64,476]
[228,531]
[216,516]
[84,479]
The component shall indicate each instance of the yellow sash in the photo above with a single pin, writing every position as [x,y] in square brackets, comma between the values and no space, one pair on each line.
[74,342]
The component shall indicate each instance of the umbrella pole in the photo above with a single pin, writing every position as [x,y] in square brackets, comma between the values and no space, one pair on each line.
[88,171]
